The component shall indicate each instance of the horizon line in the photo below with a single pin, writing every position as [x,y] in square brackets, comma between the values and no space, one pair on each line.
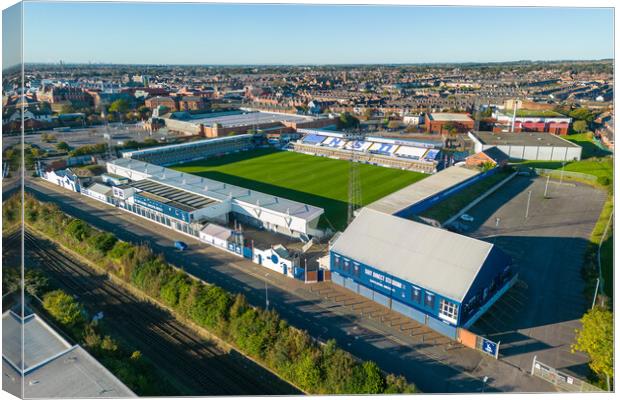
[89,63]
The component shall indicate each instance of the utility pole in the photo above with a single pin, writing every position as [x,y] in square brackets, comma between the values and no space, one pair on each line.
[547,186]
[527,207]
[266,297]
[562,172]
[305,270]
[598,282]
[355,185]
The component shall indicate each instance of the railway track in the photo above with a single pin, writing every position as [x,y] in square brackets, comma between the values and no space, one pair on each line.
[200,367]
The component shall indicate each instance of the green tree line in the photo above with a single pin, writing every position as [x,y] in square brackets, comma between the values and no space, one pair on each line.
[313,367]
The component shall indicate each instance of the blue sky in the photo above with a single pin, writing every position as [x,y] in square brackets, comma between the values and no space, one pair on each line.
[11,36]
[303,34]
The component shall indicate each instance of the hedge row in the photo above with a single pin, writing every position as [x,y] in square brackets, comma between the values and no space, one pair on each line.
[292,353]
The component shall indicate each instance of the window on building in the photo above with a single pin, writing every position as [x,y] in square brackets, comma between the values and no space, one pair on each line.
[347,266]
[429,300]
[356,270]
[448,309]
[416,294]
[336,261]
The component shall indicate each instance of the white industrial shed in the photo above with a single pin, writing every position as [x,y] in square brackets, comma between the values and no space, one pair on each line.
[538,146]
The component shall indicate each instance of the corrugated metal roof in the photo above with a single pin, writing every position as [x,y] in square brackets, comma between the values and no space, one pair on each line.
[433,258]
[221,191]
[450,117]
[175,147]
[100,188]
[422,190]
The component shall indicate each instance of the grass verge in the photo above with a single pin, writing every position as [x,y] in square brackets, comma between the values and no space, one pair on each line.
[447,208]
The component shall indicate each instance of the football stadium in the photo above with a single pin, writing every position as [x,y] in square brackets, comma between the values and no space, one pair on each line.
[319,181]
[287,208]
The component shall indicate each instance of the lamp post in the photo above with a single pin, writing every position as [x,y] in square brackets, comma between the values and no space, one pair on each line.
[266,294]
[527,207]
[484,381]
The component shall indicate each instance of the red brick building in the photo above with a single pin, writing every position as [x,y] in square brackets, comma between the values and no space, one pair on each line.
[165,101]
[443,123]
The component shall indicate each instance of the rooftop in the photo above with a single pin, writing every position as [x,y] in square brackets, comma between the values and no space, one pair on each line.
[172,196]
[186,145]
[100,188]
[52,367]
[414,252]
[423,189]
[522,139]
[450,117]
[240,118]
[522,112]
[220,191]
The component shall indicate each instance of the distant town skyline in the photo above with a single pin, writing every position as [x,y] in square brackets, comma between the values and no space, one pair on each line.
[229,34]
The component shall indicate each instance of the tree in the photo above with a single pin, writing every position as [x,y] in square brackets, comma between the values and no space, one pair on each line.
[582,114]
[580,126]
[63,146]
[34,282]
[144,112]
[103,242]
[120,106]
[596,338]
[488,165]
[64,308]
[78,230]
[347,120]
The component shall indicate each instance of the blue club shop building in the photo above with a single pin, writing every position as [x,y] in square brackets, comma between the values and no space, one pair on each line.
[436,277]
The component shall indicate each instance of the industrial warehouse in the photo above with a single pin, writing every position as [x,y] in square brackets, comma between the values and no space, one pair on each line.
[404,266]
[518,146]
[238,121]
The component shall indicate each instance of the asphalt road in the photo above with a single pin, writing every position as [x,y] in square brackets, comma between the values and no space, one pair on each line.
[540,314]
[433,368]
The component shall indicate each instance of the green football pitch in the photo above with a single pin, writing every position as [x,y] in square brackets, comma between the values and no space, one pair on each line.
[319,181]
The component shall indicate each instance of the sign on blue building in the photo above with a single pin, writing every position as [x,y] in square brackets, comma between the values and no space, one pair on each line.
[162,208]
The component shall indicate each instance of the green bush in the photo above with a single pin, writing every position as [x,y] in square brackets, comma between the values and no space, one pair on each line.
[603,180]
[64,309]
